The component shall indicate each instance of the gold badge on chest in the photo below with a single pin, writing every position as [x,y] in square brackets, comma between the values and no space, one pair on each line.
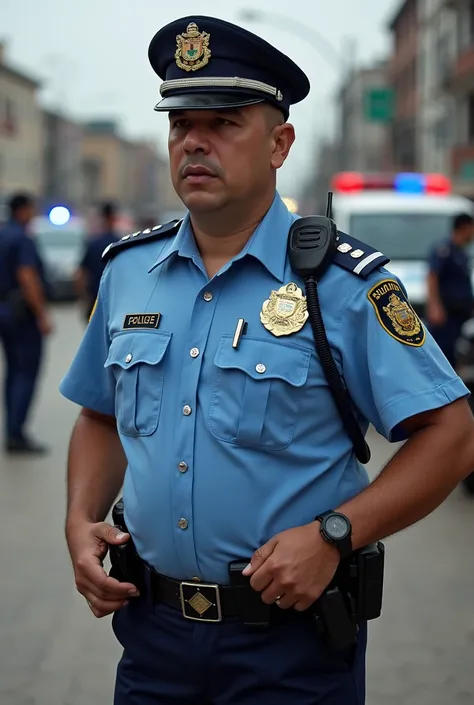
[285,312]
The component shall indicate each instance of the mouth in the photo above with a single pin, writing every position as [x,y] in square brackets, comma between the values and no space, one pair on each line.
[197,174]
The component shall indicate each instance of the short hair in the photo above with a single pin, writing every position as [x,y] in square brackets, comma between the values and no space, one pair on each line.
[462,219]
[108,209]
[19,200]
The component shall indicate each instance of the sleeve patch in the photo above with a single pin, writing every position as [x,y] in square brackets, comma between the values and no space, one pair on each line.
[395,314]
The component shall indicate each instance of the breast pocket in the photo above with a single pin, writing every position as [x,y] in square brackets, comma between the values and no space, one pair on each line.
[138,362]
[256,392]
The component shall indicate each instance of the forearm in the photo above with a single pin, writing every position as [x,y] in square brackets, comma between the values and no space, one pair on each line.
[433,289]
[80,285]
[32,290]
[415,481]
[96,468]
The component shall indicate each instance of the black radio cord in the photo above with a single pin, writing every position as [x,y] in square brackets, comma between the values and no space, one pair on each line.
[339,392]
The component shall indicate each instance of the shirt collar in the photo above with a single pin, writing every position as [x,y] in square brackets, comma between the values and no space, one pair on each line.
[267,243]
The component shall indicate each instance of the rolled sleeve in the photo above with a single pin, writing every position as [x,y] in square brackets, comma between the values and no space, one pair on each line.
[87,382]
[388,378]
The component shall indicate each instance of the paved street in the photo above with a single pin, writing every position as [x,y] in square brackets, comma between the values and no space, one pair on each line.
[53,652]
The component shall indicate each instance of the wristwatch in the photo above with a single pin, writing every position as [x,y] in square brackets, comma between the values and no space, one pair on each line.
[336,529]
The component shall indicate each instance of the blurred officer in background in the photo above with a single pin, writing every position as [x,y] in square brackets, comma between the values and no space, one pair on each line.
[227,439]
[450,300]
[24,320]
[91,266]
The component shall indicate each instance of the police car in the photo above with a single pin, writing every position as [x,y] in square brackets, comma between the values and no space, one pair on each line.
[402,215]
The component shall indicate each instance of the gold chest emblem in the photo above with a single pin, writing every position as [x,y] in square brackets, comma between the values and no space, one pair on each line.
[285,312]
[192,48]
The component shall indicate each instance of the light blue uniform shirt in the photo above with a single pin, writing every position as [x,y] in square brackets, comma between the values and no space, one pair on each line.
[228,447]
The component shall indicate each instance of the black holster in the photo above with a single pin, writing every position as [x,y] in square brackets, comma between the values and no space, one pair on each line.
[126,564]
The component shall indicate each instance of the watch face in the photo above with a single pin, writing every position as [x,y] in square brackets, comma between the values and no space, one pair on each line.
[337,527]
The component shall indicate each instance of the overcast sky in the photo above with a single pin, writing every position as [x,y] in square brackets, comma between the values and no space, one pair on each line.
[93,56]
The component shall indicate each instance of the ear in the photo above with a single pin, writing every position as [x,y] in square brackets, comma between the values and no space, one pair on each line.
[283,138]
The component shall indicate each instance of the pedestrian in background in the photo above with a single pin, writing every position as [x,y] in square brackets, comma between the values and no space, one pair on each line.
[91,266]
[24,320]
[450,300]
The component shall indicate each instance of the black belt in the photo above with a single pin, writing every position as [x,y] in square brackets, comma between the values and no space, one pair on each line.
[203,602]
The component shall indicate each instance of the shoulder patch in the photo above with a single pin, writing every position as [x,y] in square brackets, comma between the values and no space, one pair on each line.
[395,314]
[357,257]
[159,232]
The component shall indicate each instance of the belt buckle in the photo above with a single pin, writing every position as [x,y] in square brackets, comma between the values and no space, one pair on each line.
[200,601]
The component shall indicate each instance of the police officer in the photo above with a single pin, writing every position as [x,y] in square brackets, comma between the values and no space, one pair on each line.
[24,320]
[226,435]
[91,266]
[450,297]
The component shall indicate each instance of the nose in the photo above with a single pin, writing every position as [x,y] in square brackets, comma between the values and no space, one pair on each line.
[196,142]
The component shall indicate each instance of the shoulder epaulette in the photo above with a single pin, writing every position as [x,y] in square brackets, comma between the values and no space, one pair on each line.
[357,257]
[159,232]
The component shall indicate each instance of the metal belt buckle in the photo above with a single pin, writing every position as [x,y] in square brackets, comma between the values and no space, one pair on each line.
[200,601]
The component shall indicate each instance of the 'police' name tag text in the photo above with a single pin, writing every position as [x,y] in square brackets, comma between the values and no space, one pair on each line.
[141,320]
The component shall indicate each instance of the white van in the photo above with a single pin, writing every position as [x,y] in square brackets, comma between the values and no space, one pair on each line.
[402,216]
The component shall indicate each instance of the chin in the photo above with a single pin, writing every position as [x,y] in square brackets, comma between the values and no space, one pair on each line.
[200,200]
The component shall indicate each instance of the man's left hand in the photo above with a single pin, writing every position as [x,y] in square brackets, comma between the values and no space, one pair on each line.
[295,566]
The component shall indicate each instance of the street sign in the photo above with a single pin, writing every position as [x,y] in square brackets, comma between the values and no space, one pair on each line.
[378,104]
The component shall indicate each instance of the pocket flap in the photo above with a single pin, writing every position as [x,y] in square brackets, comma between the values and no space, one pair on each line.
[128,349]
[264,359]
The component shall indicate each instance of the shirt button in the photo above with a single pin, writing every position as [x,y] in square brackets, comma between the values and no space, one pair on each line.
[182,466]
[260,368]
[207,296]
[194,352]
[187,410]
[129,357]
[183,524]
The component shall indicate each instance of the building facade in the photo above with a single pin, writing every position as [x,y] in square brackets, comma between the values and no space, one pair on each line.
[364,107]
[460,85]
[436,125]
[403,76]
[21,131]
[62,162]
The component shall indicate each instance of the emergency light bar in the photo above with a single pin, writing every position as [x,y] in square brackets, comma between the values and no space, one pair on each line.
[405,182]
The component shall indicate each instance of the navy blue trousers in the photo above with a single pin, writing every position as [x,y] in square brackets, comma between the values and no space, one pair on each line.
[169,660]
[23,347]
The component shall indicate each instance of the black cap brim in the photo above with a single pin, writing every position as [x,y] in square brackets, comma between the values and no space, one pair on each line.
[207,101]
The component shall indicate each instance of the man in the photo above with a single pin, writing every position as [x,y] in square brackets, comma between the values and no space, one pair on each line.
[24,321]
[450,297]
[230,444]
[91,267]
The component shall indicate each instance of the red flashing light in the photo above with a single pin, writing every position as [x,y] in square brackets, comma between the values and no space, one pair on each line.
[437,184]
[351,182]
[348,182]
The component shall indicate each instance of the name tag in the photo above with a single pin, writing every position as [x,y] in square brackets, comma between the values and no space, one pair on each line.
[141,320]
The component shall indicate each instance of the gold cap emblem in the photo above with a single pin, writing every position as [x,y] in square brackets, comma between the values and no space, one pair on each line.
[192,48]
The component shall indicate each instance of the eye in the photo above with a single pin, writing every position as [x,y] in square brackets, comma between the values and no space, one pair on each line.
[223,121]
[180,123]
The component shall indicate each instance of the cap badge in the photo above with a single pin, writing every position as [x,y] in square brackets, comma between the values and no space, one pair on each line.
[192,48]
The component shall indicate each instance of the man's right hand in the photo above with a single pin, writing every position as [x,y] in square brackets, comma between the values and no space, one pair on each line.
[45,324]
[88,545]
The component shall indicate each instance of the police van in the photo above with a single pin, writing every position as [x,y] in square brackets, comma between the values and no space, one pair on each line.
[402,215]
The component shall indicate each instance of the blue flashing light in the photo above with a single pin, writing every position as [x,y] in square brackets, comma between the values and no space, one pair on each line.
[59,215]
[410,183]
